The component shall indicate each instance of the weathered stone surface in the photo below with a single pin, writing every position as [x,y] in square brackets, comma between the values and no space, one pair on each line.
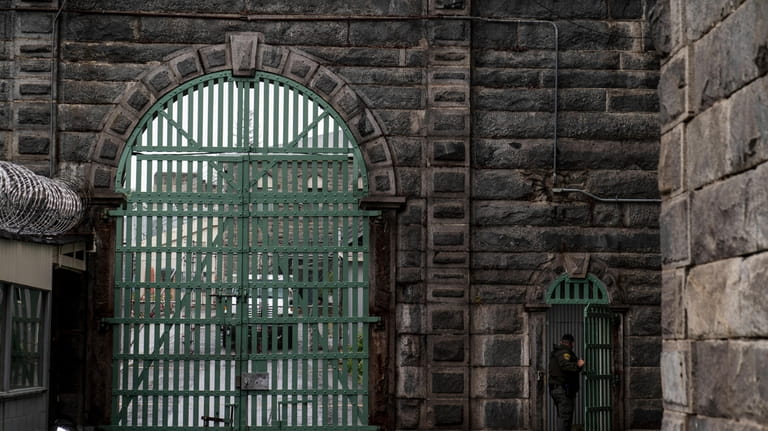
[501,184]
[674,421]
[676,374]
[448,382]
[89,92]
[499,382]
[675,219]
[449,182]
[746,370]
[496,319]
[442,319]
[723,298]
[409,350]
[544,9]
[702,18]
[671,160]
[729,230]
[739,42]
[32,144]
[704,150]
[645,414]
[448,414]
[747,139]
[645,382]
[76,147]
[411,318]
[497,350]
[409,413]
[635,101]
[386,33]
[639,61]
[645,320]
[448,349]
[700,423]
[101,28]
[411,382]
[644,351]
[673,320]
[499,414]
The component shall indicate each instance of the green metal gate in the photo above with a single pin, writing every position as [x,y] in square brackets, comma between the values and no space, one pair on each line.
[598,375]
[241,293]
[580,307]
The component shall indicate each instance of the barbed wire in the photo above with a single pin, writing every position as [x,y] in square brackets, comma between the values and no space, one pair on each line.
[32,204]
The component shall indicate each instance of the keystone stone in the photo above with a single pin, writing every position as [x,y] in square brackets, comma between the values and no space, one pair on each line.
[447,383]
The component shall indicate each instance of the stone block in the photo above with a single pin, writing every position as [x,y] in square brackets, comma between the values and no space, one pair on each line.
[271,58]
[667,30]
[409,413]
[699,423]
[77,147]
[701,19]
[186,65]
[381,181]
[644,351]
[406,151]
[640,61]
[365,126]
[730,230]
[502,184]
[411,292]
[450,210]
[383,33]
[747,123]
[326,82]
[675,220]
[379,97]
[498,351]
[300,68]
[448,381]
[504,78]
[512,99]
[499,414]
[28,89]
[582,99]
[645,414]
[579,78]
[633,101]
[411,318]
[160,80]
[512,153]
[33,144]
[411,382]
[33,114]
[673,320]
[645,383]
[705,154]
[90,92]
[449,181]
[676,374]
[410,182]
[645,320]
[498,319]
[442,319]
[215,58]
[671,160]
[549,9]
[409,350]
[499,382]
[745,374]
[710,299]
[446,348]
[444,414]
[449,32]
[674,421]
[105,28]
[739,42]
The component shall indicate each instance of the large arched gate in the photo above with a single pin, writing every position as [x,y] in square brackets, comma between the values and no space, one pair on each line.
[241,277]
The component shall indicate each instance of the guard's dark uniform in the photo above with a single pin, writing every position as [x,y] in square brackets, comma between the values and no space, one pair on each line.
[563,383]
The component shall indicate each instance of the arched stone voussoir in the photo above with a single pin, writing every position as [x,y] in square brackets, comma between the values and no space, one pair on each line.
[186,65]
[244,53]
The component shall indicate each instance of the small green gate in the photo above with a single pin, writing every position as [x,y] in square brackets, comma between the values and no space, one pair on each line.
[580,307]
[241,292]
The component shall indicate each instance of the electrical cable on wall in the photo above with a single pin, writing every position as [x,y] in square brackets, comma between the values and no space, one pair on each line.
[35,205]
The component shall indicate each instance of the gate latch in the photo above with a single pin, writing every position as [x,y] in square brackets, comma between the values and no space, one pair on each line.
[252,381]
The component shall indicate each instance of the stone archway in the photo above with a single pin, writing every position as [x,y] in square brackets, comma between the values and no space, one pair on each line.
[244,54]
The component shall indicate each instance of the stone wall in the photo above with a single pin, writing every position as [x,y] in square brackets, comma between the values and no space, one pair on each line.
[463,96]
[713,95]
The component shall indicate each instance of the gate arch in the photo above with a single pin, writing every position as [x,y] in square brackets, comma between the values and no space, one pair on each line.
[241,276]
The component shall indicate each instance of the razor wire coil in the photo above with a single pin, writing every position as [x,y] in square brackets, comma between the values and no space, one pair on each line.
[32,204]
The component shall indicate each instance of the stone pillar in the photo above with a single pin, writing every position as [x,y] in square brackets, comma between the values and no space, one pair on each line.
[712,174]
[32,113]
[448,375]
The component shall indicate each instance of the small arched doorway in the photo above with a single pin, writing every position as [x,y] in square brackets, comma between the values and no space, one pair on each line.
[579,306]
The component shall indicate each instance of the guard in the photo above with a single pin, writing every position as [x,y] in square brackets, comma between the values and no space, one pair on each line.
[564,369]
